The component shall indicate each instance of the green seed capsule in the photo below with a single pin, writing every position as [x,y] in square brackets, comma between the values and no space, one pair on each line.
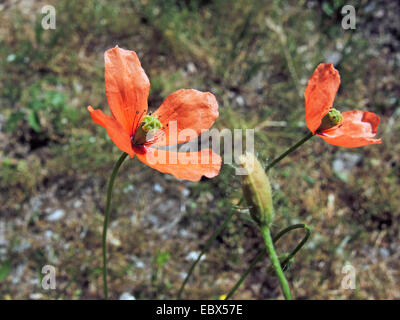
[150,122]
[331,119]
[149,126]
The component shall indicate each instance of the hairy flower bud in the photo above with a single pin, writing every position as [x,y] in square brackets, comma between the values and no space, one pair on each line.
[331,119]
[257,190]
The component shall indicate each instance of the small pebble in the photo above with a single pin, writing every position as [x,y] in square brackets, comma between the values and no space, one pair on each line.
[56,215]
[126,296]
[158,188]
[194,255]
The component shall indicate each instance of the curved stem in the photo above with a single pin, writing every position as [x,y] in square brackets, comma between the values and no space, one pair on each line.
[106,218]
[275,262]
[207,246]
[219,230]
[290,150]
[263,254]
[300,245]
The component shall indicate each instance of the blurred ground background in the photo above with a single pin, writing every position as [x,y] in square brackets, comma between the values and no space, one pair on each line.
[256,57]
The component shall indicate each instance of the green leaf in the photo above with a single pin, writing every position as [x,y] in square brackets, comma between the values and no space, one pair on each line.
[310,180]
[5,269]
[162,258]
[34,121]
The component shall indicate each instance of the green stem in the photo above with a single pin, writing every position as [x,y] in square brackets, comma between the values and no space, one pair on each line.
[269,243]
[263,254]
[300,245]
[107,217]
[219,230]
[207,246]
[290,150]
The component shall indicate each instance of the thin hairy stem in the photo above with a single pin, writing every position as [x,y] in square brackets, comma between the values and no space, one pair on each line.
[290,150]
[227,220]
[263,254]
[107,217]
[269,243]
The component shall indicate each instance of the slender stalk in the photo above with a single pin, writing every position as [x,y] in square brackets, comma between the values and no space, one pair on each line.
[290,150]
[225,223]
[300,245]
[263,254]
[207,246]
[107,217]
[275,262]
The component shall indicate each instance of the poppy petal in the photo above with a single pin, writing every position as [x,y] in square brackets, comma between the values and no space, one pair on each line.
[182,165]
[320,94]
[127,87]
[356,130]
[185,109]
[115,131]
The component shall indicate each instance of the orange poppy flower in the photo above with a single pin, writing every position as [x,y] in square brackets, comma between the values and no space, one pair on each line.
[127,89]
[351,128]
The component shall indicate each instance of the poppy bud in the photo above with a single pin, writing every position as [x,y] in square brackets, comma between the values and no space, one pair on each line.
[257,190]
[331,119]
[149,126]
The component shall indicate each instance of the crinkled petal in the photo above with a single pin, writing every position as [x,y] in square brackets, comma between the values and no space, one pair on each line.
[184,114]
[356,130]
[182,165]
[127,87]
[320,94]
[115,131]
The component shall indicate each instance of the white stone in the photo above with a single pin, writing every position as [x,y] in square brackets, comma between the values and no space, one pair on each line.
[56,215]
[126,296]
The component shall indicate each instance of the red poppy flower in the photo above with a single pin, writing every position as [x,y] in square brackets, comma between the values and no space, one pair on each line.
[351,128]
[127,89]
